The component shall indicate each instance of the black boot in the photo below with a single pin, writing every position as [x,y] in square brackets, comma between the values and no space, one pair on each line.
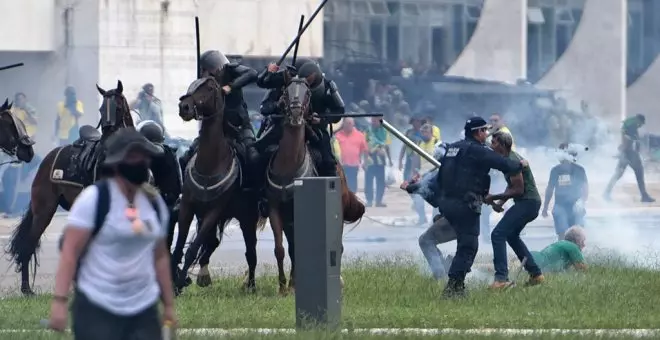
[248,139]
[454,289]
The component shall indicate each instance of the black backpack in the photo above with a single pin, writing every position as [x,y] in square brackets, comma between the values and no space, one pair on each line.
[102,209]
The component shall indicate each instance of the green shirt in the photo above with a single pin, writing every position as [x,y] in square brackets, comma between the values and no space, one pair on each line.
[530,191]
[558,256]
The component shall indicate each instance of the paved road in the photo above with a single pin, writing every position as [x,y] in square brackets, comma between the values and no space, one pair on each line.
[371,239]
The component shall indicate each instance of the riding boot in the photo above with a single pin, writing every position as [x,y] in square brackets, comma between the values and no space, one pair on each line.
[189,154]
[455,288]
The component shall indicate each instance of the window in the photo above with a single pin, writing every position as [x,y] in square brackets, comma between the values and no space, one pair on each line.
[329,9]
[361,8]
[564,16]
[379,8]
[341,9]
[535,16]
[411,9]
[472,13]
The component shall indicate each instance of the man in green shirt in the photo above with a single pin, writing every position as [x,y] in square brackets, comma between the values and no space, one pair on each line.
[629,156]
[564,254]
[522,188]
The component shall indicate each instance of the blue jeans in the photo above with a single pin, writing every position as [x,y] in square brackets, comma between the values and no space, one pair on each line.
[508,230]
[375,172]
[564,218]
[439,232]
[351,173]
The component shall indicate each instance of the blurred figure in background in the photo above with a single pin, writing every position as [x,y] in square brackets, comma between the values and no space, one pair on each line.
[148,105]
[354,149]
[497,124]
[256,119]
[406,153]
[420,166]
[378,141]
[69,112]
[26,113]
[629,156]
[568,182]
[428,119]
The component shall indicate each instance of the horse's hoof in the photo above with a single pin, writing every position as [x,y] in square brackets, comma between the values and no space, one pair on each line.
[284,291]
[250,288]
[204,280]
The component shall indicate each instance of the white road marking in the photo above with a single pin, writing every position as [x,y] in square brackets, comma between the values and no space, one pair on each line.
[634,333]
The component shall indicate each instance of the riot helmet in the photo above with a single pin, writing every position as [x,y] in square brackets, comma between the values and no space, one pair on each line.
[312,72]
[151,131]
[212,61]
[302,61]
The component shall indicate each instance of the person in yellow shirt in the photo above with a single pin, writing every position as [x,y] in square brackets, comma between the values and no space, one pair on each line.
[421,166]
[498,125]
[25,113]
[436,129]
[69,112]
[378,141]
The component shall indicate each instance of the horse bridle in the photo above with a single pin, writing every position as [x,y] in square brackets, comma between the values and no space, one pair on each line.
[12,151]
[302,103]
[198,115]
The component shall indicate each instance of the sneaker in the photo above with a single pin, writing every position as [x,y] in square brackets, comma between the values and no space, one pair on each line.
[369,204]
[535,280]
[501,285]
[647,199]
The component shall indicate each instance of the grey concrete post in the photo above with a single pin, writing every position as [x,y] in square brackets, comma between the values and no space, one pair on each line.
[317,215]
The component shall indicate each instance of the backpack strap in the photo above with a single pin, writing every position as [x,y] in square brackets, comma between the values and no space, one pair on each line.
[102,209]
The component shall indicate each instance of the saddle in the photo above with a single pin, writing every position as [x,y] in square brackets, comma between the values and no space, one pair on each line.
[89,144]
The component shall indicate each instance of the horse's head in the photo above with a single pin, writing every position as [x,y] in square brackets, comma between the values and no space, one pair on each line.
[14,139]
[296,99]
[204,99]
[115,112]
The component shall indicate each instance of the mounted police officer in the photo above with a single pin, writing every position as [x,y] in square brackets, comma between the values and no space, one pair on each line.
[464,182]
[325,99]
[232,77]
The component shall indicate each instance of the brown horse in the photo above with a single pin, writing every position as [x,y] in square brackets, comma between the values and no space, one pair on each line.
[293,159]
[61,176]
[14,140]
[212,189]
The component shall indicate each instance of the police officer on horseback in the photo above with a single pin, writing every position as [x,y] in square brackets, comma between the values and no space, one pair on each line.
[232,77]
[325,99]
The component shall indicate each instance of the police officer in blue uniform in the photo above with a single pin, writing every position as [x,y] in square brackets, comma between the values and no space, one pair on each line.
[464,182]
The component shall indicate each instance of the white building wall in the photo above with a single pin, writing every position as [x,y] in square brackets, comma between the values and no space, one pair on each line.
[498,48]
[593,67]
[29,25]
[143,41]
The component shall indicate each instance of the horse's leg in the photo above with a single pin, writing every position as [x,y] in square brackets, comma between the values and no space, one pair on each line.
[208,247]
[25,239]
[276,225]
[288,232]
[249,230]
[186,215]
[207,230]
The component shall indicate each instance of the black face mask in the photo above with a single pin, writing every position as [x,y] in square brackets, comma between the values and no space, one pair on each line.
[136,174]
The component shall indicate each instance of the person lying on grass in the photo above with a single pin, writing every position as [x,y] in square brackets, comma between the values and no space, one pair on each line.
[565,254]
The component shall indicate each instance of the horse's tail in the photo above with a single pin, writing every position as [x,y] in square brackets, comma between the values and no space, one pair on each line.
[352,207]
[21,245]
[261,223]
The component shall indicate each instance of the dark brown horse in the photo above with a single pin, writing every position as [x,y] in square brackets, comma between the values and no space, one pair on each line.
[14,140]
[293,159]
[61,176]
[212,186]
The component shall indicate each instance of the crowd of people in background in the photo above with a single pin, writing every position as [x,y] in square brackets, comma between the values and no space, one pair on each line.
[68,113]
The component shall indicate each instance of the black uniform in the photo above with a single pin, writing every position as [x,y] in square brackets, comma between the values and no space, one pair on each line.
[629,156]
[464,182]
[236,114]
[325,99]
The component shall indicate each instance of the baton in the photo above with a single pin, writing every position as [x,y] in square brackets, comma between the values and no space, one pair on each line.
[199,52]
[295,50]
[11,66]
[295,41]
[339,115]
[400,136]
